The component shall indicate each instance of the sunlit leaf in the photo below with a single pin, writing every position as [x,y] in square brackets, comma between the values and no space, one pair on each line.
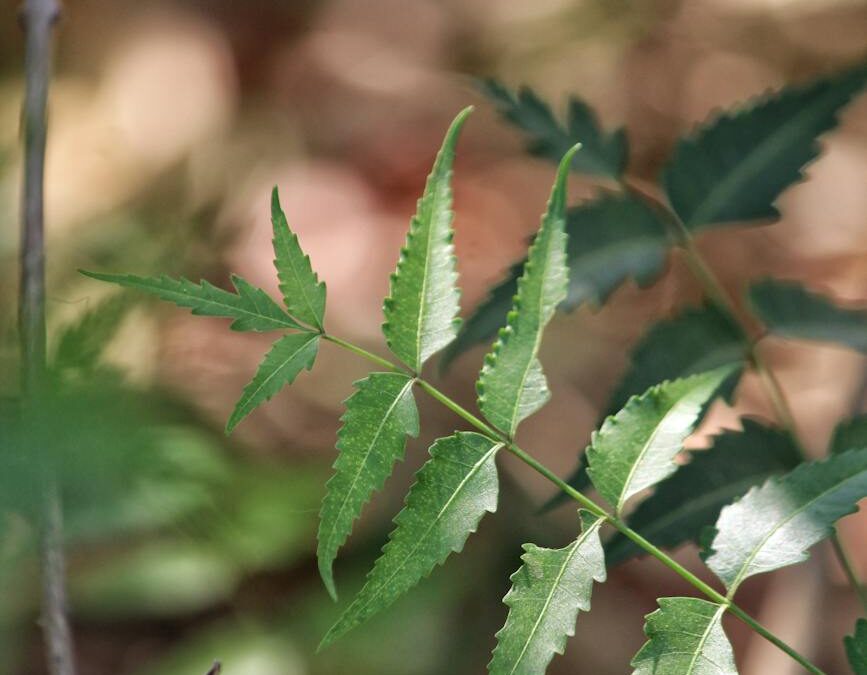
[610,239]
[691,499]
[772,526]
[421,312]
[635,449]
[685,637]
[512,385]
[547,593]
[303,293]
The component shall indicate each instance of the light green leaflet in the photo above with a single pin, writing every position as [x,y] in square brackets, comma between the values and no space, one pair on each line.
[379,416]
[452,492]
[635,449]
[251,308]
[772,526]
[302,291]
[790,310]
[856,648]
[733,168]
[547,592]
[512,385]
[421,312]
[281,365]
[685,638]
[690,500]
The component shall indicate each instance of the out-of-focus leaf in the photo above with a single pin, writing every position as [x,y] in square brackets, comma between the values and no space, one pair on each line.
[734,167]
[856,648]
[303,293]
[454,489]
[82,343]
[850,434]
[158,579]
[610,239]
[288,356]
[691,499]
[604,154]
[547,592]
[512,385]
[379,416]
[691,342]
[421,311]
[772,526]
[635,449]
[790,310]
[685,637]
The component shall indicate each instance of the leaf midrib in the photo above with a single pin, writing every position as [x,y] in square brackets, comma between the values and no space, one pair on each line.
[724,189]
[276,370]
[367,454]
[739,578]
[704,639]
[621,500]
[540,306]
[574,550]
[287,235]
[439,515]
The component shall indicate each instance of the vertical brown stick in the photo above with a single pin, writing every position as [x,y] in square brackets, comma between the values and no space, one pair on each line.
[38,18]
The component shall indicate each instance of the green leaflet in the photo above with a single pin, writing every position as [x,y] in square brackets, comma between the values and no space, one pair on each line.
[691,499]
[82,342]
[511,385]
[251,308]
[790,310]
[288,356]
[691,342]
[547,592]
[635,449]
[452,492]
[611,238]
[850,434]
[734,167]
[379,416]
[302,291]
[421,312]
[772,526]
[685,637]
[856,648]
[602,154]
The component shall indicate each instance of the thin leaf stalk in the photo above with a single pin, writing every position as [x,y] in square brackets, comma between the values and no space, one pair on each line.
[591,506]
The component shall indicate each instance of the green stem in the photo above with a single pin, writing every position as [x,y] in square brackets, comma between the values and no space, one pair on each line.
[363,353]
[588,504]
[851,574]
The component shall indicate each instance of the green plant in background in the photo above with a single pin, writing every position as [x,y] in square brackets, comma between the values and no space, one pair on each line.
[753,501]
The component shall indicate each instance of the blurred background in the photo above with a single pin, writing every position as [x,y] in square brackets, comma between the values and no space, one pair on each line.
[169,124]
